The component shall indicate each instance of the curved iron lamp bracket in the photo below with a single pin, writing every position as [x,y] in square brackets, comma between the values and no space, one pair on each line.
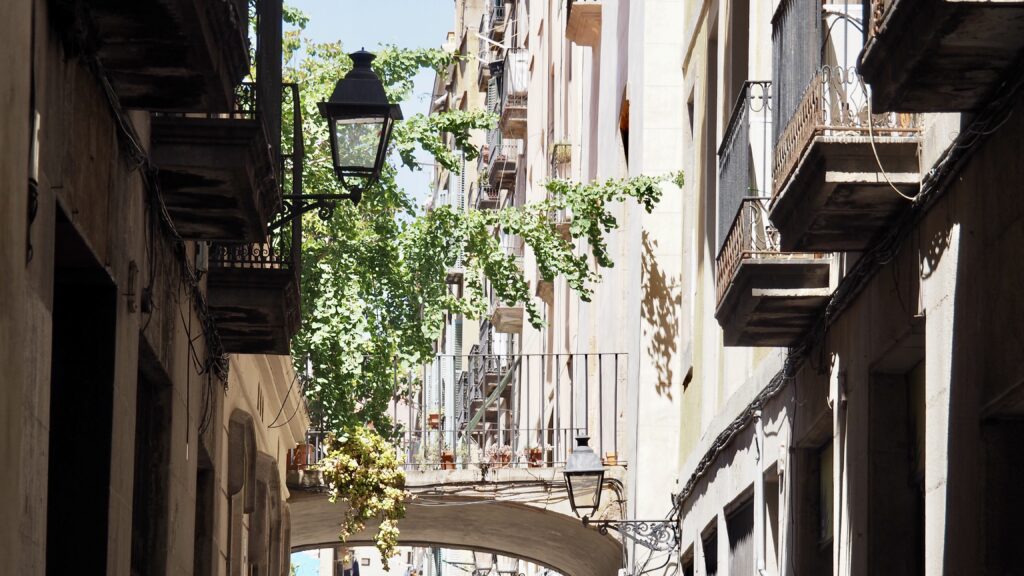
[298,204]
[659,535]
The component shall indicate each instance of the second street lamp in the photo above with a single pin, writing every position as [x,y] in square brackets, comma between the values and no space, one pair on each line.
[507,566]
[484,562]
[584,475]
[584,478]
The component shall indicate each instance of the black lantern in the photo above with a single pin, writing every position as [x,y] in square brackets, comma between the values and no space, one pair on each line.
[584,475]
[484,562]
[360,119]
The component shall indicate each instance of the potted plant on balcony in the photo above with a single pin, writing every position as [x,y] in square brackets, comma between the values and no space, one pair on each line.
[434,419]
[447,457]
[499,456]
[611,459]
[534,456]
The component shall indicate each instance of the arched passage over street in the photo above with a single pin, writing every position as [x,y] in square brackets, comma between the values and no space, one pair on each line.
[517,513]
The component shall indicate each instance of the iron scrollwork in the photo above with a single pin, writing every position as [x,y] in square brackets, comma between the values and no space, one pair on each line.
[658,535]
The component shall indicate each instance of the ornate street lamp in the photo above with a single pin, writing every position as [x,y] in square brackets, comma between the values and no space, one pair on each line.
[584,477]
[484,562]
[508,566]
[360,120]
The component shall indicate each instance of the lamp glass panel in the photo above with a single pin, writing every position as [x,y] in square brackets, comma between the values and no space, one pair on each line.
[507,564]
[585,490]
[356,142]
[483,560]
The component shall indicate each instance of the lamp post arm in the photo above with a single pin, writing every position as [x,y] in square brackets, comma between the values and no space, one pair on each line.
[659,535]
[298,204]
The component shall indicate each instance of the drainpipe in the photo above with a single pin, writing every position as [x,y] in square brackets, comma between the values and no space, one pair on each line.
[759,505]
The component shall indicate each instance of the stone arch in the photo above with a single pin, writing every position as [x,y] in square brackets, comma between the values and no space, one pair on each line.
[553,538]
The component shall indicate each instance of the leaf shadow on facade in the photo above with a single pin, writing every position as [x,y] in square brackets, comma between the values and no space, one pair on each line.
[660,309]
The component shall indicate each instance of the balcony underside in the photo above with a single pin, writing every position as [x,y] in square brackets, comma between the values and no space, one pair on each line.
[774,300]
[513,121]
[584,24]
[507,319]
[256,309]
[169,55]
[838,200]
[942,55]
[217,177]
[503,174]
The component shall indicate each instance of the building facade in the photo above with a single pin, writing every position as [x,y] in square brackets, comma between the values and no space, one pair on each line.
[148,400]
[818,325]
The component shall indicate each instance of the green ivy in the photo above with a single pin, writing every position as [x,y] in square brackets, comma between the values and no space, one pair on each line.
[374,297]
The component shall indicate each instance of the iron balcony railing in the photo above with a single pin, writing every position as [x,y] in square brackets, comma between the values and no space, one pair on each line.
[514,85]
[744,157]
[750,237]
[879,12]
[502,161]
[281,249]
[513,410]
[497,13]
[487,197]
[834,105]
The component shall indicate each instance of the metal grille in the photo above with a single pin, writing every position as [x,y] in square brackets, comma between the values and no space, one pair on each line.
[744,158]
[751,236]
[512,403]
[834,105]
[796,56]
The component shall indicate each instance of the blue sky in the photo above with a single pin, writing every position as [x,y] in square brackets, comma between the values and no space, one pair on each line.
[370,23]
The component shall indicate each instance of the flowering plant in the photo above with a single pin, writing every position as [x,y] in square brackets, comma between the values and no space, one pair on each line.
[502,452]
[365,471]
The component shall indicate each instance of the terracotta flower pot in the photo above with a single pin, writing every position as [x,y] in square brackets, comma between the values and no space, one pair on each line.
[611,459]
[447,460]
[536,458]
[434,420]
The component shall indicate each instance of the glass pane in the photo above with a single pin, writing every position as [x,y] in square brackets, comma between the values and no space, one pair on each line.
[357,141]
[584,491]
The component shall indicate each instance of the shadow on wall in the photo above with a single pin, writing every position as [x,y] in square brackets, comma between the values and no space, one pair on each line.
[660,308]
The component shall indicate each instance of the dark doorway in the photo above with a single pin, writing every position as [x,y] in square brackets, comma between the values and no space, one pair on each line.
[741,539]
[81,408]
[152,462]
[205,514]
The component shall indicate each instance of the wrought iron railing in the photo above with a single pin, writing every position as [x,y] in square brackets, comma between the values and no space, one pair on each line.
[484,50]
[750,237]
[879,12]
[503,155]
[308,453]
[836,105]
[497,10]
[744,157]
[281,249]
[514,85]
[487,196]
[528,407]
